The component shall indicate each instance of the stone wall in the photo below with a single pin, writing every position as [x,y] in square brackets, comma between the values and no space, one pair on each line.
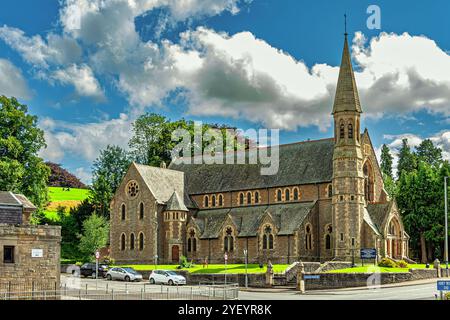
[348,280]
[27,269]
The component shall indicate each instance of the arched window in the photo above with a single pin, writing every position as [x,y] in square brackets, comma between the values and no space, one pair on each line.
[228,241]
[279,195]
[141,211]
[342,130]
[357,130]
[192,242]
[206,202]
[287,195]
[330,190]
[241,198]
[350,131]
[328,231]
[220,200]
[368,182]
[141,241]
[213,200]
[296,194]
[249,197]
[132,241]
[123,242]
[267,238]
[124,212]
[256,197]
[308,237]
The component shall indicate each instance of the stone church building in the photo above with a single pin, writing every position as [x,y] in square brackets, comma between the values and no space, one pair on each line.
[326,202]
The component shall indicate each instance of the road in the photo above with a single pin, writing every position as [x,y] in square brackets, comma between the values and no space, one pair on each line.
[421,290]
[416,291]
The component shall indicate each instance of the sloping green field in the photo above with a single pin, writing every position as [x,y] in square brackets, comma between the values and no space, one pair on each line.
[63,198]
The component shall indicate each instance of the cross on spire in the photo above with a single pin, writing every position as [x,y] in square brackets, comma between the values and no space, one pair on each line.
[345,24]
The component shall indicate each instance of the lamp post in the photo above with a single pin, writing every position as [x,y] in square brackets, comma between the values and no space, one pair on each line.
[446,227]
[246,262]
[156,260]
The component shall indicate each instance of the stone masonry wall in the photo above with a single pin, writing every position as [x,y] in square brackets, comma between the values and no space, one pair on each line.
[45,270]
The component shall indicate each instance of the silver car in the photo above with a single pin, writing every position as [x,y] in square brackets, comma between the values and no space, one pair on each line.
[167,277]
[124,274]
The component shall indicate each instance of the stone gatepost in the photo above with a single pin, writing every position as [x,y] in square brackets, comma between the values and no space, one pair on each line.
[269,275]
[301,278]
[437,266]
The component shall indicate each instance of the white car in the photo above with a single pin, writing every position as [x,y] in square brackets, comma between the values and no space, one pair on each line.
[125,274]
[166,277]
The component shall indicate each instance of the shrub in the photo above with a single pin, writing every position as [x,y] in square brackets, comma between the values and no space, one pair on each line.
[185,264]
[387,263]
[447,296]
[402,264]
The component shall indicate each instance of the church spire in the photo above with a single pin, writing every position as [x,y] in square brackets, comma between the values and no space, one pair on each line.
[347,98]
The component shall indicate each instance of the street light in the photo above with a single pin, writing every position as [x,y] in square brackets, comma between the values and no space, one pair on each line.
[446,227]
[156,260]
[246,262]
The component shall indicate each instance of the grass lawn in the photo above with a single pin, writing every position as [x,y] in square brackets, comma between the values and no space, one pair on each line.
[68,199]
[371,269]
[213,268]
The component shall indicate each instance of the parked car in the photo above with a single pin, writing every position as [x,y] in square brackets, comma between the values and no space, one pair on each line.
[124,274]
[166,277]
[88,270]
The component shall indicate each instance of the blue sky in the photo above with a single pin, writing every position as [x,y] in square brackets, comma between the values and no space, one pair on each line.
[88,83]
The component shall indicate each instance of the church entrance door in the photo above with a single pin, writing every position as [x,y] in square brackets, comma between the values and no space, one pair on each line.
[175,254]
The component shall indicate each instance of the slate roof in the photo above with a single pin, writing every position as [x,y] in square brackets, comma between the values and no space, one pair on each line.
[175,203]
[27,204]
[300,163]
[9,199]
[287,218]
[163,183]
[378,213]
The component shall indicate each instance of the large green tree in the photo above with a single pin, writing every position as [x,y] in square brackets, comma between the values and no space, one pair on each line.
[386,161]
[429,153]
[406,159]
[420,198]
[108,171]
[21,169]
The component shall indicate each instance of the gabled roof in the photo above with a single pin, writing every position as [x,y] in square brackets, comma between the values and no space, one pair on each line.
[163,183]
[347,97]
[175,203]
[378,213]
[8,198]
[299,163]
[287,218]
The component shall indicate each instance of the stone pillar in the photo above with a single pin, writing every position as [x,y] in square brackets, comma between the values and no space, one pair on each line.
[437,266]
[269,275]
[301,278]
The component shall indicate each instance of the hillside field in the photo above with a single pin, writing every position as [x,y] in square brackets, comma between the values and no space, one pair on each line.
[68,199]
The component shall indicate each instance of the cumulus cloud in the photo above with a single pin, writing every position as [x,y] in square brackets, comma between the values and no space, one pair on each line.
[12,82]
[83,140]
[84,175]
[82,78]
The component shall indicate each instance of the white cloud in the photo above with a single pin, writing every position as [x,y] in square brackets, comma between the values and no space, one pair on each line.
[12,83]
[82,78]
[83,140]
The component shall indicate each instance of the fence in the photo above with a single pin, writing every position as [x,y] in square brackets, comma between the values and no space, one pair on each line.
[209,292]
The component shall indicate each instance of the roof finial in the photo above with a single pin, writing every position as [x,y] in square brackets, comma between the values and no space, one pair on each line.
[345,24]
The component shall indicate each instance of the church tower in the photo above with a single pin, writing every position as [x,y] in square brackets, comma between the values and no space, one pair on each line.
[348,200]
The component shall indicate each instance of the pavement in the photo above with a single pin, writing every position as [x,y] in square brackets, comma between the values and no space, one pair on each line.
[411,290]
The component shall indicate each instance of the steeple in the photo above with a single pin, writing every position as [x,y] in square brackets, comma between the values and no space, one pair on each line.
[347,98]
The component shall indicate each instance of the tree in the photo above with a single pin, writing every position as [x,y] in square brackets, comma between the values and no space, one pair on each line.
[21,170]
[406,159]
[390,185]
[418,197]
[95,235]
[386,161]
[108,171]
[428,153]
[60,177]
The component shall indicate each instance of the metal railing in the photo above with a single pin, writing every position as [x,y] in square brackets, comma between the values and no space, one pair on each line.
[207,292]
